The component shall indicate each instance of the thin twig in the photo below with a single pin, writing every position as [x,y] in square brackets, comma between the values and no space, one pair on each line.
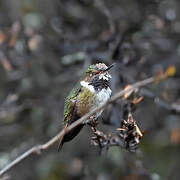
[38,148]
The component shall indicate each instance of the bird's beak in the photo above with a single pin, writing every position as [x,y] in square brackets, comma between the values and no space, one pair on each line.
[109,67]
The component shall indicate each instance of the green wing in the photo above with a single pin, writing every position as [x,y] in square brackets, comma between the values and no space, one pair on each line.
[70,102]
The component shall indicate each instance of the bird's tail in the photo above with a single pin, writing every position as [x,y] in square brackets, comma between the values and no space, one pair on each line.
[68,136]
[61,142]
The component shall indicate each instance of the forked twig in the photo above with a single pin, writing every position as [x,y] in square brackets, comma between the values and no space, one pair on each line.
[38,148]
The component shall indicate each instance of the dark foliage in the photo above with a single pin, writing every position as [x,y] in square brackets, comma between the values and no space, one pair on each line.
[44,48]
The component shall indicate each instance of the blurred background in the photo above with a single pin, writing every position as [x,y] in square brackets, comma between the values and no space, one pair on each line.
[44,48]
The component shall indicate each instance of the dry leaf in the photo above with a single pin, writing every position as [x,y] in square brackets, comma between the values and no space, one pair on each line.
[2,37]
[34,42]
[128,93]
[171,71]
[138,130]
[137,100]
[7,66]
[175,136]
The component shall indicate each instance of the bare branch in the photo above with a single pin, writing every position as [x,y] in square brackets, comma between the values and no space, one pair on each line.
[38,148]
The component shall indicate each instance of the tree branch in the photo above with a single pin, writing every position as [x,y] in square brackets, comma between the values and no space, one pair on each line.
[38,148]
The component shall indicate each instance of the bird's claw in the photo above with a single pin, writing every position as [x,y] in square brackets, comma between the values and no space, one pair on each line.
[93,122]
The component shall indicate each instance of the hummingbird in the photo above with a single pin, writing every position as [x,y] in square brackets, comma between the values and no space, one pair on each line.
[93,90]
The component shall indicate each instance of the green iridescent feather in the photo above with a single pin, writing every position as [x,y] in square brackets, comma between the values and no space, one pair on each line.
[69,102]
[91,68]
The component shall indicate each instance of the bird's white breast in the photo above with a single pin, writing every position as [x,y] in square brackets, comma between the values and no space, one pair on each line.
[86,85]
[101,96]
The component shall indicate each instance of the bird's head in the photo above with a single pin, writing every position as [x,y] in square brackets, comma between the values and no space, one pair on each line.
[98,72]
[97,77]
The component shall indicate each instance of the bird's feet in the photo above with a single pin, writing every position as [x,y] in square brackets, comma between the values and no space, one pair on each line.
[93,124]
[93,121]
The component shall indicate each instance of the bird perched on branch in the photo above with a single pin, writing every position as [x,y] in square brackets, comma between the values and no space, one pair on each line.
[91,91]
